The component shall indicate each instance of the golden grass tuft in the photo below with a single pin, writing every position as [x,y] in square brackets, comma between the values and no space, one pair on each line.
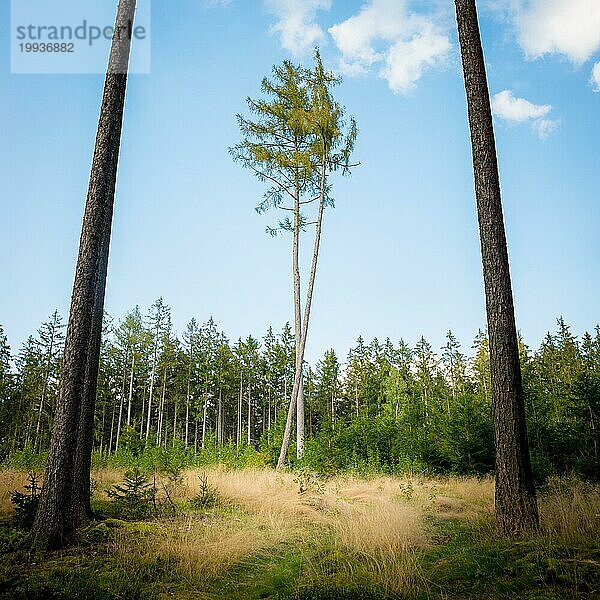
[570,509]
[10,481]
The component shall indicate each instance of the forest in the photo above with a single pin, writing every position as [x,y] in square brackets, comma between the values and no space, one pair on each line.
[383,408]
[140,461]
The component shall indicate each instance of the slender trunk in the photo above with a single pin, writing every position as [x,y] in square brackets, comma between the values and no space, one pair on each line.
[121,405]
[515,500]
[161,408]
[220,418]
[187,408]
[130,397]
[300,421]
[249,415]
[239,413]
[112,427]
[175,421]
[204,416]
[301,343]
[152,374]
[103,429]
[143,412]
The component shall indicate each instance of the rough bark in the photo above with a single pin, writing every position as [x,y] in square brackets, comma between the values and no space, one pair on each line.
[54,524]
[516,506]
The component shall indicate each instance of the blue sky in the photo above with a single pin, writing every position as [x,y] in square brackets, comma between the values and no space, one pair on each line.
[400,254]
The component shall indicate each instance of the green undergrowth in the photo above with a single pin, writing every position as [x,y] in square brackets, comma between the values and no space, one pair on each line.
[463,560]
[123,556]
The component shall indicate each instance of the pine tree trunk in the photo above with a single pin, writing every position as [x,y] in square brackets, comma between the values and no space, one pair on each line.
[130,396]
[54,522]
[187,409]
[300,419]
[175,421]
[239,413]
[204,416]
[516,506]
[220,418]
[152,376]
[249,426]
[301,341]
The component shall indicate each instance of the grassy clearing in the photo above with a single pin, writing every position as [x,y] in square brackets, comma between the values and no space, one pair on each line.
[271,535]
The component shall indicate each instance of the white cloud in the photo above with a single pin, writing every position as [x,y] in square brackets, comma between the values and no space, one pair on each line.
[505,105]
[400,43]
[296,23]
[544,127]
[595,79]
[519,110]
[569,27]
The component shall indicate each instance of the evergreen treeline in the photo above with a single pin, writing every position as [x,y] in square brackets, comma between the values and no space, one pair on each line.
[387,407]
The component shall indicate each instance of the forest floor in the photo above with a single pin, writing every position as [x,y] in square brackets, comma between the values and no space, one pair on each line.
[250,534]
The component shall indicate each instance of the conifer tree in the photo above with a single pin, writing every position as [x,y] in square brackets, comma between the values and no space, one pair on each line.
[298,138]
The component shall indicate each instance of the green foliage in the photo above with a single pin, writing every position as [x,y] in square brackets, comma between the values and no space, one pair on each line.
[26,505]
[26,460]
[134,497]
[207,496]
[308,482]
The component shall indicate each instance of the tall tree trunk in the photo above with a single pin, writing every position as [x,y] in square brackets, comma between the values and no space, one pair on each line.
[161,409]
[301,343]
[130,396]
[54,523]
[300,419]
[152,376]
[175,419]
[239,413]
[187,408]
[516,505]
[121,405]
[220,418]
[293,406]
[249,415]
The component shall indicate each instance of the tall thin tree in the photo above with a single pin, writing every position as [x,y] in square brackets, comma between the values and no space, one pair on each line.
[516,505]
[71,445]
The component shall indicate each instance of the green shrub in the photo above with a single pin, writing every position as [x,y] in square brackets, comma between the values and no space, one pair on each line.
[135,496]
[207,496]
[26,505]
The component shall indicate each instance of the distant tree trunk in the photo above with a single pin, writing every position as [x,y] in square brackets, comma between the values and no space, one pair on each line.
[187,408]
[249,414]
[204,416]
[220,418]
[54,523]
[239,413]
[121,405]
[516,506]
[175,419]
[130,396]
[152,376]
[161,409]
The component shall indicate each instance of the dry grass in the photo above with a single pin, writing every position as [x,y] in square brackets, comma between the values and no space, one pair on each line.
[570,510]
[9,482]
[346,529]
